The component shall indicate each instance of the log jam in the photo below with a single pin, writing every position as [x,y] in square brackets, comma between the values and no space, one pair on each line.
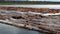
[39,19]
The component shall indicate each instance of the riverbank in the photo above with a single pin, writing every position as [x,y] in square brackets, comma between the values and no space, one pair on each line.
[27,2]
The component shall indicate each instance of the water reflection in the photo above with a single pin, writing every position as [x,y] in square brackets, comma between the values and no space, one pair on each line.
[7,29]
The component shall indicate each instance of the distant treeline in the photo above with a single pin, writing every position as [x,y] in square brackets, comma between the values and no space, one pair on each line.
[28,2]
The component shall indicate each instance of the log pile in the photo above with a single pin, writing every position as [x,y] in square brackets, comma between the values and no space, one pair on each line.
[27,17]
[24,9]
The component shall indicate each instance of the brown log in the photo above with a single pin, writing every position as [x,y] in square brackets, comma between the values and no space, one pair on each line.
[24,9]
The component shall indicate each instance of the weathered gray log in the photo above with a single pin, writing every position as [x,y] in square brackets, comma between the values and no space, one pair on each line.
[32,20]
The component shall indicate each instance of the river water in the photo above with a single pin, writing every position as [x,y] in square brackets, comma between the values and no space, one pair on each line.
[35,6]
[7,29]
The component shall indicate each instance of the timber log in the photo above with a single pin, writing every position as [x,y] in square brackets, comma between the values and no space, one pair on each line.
[24,9]
[42,19]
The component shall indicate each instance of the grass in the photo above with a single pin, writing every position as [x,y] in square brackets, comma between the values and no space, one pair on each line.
[27,2]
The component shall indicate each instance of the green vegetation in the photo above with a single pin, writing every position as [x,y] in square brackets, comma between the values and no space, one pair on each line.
[27,2]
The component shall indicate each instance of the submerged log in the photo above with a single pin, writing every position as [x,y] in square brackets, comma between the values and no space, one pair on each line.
[46,22]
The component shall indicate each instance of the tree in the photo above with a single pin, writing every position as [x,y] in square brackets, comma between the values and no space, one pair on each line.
[2,0]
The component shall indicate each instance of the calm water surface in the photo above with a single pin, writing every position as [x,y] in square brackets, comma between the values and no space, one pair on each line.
[7,29]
